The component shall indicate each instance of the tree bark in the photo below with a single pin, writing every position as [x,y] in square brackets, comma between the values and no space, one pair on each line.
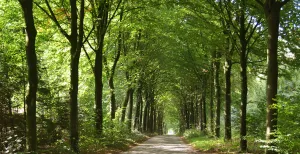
[228,66]
[76,44]
[272,12]
[203,112]
[130,108]
[218,93]
[31,137]
[192,112]
[125,104]
[98,70]
[212,127]
[111,78]
[244,80]
[139,101]
[145,118]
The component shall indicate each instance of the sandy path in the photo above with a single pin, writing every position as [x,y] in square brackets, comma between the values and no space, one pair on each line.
[165,144]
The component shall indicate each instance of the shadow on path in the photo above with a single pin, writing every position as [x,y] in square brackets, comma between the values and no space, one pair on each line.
[165,144]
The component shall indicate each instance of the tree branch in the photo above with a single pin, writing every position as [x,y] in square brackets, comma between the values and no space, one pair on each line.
[87,37]
[53,18]
[110,19]
[253,30]
[284,2]
[260,3]
[89,59]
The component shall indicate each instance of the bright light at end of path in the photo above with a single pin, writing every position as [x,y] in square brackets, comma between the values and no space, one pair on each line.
[171,132]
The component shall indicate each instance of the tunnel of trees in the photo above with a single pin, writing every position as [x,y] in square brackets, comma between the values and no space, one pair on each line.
[79,76]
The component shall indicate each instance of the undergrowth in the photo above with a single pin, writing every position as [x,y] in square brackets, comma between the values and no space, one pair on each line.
[207,143]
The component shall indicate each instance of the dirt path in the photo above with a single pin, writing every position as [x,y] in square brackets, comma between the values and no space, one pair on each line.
[162,145]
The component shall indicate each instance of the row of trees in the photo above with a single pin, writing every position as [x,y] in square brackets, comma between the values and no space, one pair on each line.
[146,65]
[240,28]
[90,26]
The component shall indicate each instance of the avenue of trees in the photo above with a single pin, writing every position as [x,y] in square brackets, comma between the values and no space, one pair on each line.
[83,76]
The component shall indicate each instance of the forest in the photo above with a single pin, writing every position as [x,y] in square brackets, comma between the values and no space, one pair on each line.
[97,76]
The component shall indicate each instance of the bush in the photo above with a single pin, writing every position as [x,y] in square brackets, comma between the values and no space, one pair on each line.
[191,133]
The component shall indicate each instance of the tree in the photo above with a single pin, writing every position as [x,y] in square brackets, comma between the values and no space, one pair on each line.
[27,7]
[218,92]
[76,40]
[272,14]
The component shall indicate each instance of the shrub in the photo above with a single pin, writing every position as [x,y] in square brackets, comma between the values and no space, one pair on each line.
[191,133]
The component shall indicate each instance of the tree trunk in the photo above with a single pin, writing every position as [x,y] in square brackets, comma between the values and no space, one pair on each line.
[31,138]
[139,100]
[244,91]
[76,44]
[141,115]
[187,117]
[111,78]
[125,103]
[228,66]
[98,70]
[160,122]
[155,119]
[212,128]
[218,93]
[192,111]
[243,73]
[272,13]
[203,112]
[145,120]
[151,117]
[130,108]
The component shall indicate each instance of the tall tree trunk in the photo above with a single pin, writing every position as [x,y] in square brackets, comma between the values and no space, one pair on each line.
[76,41]
[130,108]
[145,117]
[139,100]
[203,112]
[31,138]
[212,128]
[98,70]
[272,12]
[228,66]
[111,78]
[76,44]
[243,73]
[141,115]
[187,116]
[160,122]
[10,112]
[244,91]
[192,110]
[155,119]
[151,117]
[218,93]
[125,104]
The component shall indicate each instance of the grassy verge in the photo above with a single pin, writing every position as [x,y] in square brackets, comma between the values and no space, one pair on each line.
[214,145]
[206,144]
[112,144]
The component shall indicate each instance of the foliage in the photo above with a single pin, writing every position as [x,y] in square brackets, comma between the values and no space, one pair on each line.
[192,133]
[289,124]
[11,141]
[208,144]
[165,45]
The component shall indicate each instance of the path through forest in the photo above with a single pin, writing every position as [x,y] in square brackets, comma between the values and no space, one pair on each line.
[162,145]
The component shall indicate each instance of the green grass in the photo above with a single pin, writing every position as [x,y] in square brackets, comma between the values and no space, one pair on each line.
[215,145]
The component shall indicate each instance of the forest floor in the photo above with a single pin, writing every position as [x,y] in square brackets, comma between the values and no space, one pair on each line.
[162,145]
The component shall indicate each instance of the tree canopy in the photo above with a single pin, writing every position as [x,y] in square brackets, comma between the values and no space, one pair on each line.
[93,76]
